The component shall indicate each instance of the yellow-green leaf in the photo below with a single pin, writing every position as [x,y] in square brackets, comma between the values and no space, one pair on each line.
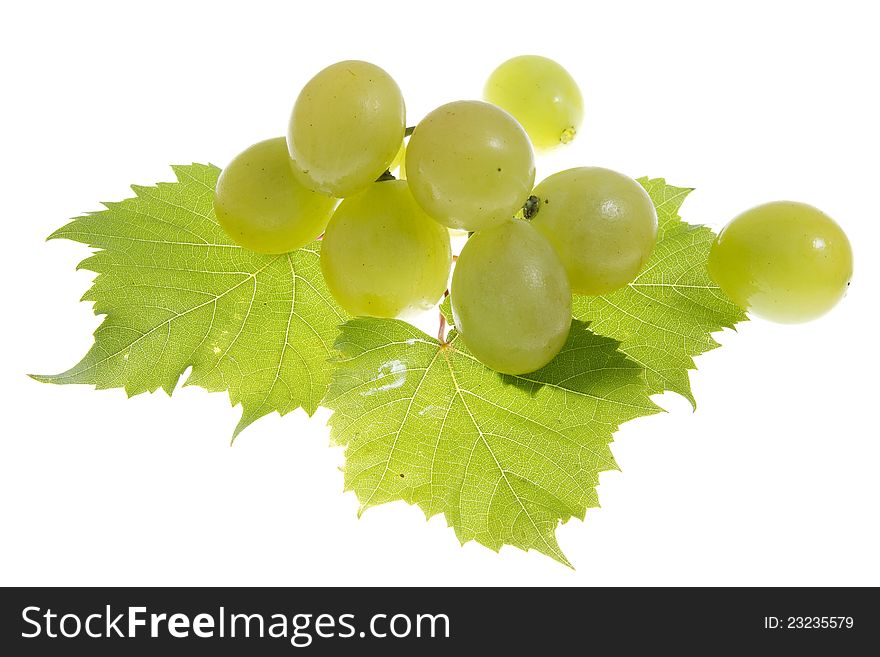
[177,293]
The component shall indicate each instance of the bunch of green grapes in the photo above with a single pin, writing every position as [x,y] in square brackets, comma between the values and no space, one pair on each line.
[382,256]
[469,169]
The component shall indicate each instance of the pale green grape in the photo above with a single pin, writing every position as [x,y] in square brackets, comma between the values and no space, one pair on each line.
[346,127]
[785,261]
[261,205]
[470,165]
[510,298]
[541,95]
[601,223]
[382,256]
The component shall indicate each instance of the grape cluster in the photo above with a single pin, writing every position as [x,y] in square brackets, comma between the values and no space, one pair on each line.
[470,166]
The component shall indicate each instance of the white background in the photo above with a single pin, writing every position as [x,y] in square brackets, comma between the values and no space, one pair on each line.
[773,480]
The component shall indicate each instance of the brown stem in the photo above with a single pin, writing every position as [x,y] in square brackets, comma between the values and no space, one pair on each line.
[441,332]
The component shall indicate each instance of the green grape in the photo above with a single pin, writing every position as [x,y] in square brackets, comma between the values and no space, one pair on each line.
[382,256]
[346,127]
[261,205]
[510,298]
[541,95]
[470,165]
[785,261]
[601,223]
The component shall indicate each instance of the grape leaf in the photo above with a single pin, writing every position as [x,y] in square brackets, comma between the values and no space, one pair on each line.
[177,293]
[666,316]
[505,458]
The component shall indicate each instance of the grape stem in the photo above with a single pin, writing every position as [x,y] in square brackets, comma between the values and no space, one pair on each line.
[409,130]
[441,332]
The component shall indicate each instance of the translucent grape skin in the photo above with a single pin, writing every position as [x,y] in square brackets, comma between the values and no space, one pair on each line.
[382,256]
[346,127]
[785,261]
[261,205]
[602,224]
[470,165]
[541,95]
[510,298]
